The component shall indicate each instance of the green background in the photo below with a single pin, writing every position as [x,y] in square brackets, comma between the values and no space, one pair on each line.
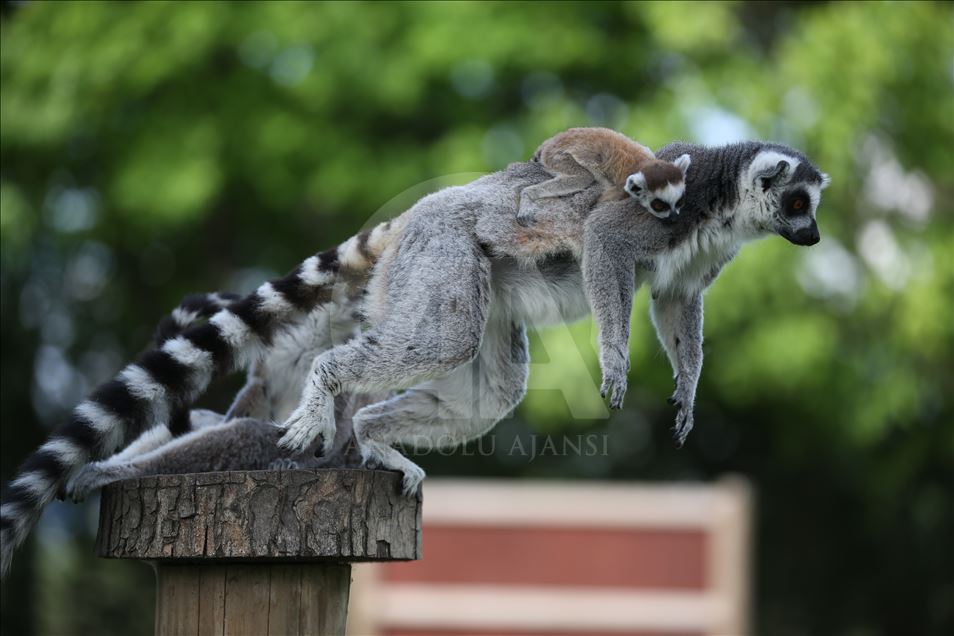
[153,149]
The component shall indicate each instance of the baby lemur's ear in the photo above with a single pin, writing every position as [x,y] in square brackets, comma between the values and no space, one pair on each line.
[683,163]
[635,183]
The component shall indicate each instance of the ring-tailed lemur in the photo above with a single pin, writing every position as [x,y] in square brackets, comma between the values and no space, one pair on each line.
[246,437]
[192,309]
[447,314]
[165,380]
[248,401]
[580,156]
[449,293]
[273,384]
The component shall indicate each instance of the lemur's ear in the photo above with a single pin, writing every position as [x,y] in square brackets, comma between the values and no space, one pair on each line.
[683,163]
[826,180]
[770,176]
[635,183]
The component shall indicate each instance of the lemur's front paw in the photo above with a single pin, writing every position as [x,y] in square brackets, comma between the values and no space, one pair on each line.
[314,416]
[615,381]
[88,479]
[614,385]
[411,483]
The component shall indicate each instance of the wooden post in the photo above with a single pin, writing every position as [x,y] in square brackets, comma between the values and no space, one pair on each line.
[258,552]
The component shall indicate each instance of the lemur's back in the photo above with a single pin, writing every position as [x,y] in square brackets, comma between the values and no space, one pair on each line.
[617,155]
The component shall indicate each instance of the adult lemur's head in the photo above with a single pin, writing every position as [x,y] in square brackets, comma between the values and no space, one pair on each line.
[783,190]
[754,187]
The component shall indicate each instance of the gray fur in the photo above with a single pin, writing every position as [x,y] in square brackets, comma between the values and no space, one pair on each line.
[245,438]
[442,298]
[156,389]
[243,443]
[450,285]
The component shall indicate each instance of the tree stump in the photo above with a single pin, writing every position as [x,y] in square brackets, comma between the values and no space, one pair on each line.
[258,552]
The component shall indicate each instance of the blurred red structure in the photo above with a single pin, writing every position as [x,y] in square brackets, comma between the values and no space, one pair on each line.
[541,558]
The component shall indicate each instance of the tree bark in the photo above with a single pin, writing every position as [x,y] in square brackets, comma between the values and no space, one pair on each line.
[258,552]
[295,515]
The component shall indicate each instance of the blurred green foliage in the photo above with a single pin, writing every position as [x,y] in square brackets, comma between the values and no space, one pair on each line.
[152,149]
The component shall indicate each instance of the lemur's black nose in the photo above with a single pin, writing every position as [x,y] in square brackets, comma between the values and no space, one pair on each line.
[807,235]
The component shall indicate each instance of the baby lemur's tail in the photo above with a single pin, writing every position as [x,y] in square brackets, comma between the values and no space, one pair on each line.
[175,373]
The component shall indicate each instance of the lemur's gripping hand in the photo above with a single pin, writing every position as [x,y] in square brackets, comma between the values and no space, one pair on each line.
[615,378]
[314,416]
[411,480]
[527,210]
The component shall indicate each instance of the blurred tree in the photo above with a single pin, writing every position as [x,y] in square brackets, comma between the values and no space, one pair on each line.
[152,149]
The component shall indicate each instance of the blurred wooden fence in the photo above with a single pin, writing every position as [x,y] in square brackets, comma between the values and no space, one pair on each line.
[541,558]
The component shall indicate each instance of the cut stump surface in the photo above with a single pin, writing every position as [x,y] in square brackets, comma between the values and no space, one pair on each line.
[293,515]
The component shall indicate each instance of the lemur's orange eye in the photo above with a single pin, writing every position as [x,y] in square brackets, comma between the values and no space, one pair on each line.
[659,205]
[798,204]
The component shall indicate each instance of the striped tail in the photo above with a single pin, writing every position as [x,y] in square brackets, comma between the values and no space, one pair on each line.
[192,309]
[174,374]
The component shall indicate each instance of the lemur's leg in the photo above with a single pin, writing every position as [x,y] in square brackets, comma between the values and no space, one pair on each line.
[252,399]
[95,475]
[150,439]
[559,186]
[376,360]
[574,172]
[531,210]
[609,282]
[678,322]
[201,418]
[157,436]
[437,295]
[131,462]
[344,452]
[448,411]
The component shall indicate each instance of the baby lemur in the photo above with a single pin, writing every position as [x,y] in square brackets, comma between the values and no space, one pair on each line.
[619,165]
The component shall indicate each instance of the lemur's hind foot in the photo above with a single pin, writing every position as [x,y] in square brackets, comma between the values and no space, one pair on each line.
[284,463]
[94,476]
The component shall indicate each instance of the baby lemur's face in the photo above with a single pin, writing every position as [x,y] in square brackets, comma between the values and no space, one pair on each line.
[660,187]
